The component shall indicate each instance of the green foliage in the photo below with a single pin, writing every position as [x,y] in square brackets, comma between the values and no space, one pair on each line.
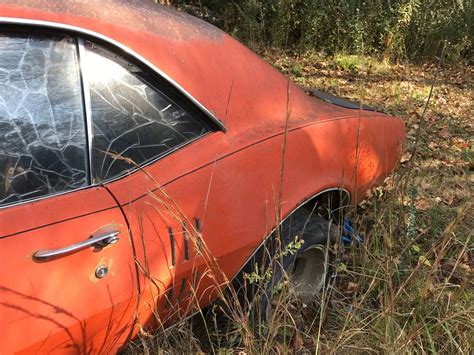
[351,63]
[394,30]
[264,276]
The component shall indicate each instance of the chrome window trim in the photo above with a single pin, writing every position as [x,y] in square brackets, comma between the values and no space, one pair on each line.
[86,97]
[128,51]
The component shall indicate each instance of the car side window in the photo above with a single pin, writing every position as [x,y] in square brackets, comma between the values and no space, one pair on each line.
[43,136]
[133,121]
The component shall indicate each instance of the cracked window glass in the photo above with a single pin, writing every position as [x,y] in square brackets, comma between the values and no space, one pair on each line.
[133,121]
[42,128]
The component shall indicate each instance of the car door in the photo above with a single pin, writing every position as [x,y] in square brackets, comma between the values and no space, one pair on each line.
[68,279]
[138,121]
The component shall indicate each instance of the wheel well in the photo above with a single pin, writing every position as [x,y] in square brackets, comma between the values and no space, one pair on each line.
[331,204]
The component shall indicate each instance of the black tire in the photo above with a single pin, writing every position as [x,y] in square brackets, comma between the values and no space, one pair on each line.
[314,232]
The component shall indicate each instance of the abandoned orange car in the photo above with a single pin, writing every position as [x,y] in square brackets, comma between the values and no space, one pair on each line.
[138,145]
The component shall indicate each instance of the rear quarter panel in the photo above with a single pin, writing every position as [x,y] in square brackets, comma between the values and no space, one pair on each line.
[237,195]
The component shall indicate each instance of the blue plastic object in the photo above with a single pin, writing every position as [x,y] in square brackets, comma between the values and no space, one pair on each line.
[350,235]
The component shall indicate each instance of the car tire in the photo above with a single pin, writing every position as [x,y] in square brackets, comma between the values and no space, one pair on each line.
[298,252]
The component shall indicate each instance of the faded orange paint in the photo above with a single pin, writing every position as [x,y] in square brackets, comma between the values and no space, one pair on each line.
[229,181]
[53,306]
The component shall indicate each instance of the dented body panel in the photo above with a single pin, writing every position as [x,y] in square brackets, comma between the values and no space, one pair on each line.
[223,188]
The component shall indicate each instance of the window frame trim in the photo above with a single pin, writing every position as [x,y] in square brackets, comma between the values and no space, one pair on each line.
[77,33]
[210,125]
[86,99]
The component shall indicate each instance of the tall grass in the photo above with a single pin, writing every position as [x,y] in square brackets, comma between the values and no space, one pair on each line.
[394,30]
[398,292]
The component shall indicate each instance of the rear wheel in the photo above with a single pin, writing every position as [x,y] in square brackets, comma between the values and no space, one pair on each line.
[296,259]
[302,274]
[301,289]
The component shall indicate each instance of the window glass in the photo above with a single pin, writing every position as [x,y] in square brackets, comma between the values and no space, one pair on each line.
[42,129]
[133,121]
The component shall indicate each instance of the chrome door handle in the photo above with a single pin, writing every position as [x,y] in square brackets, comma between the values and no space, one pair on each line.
[99,241]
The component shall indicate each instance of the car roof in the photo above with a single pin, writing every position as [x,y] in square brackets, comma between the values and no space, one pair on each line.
[136,15]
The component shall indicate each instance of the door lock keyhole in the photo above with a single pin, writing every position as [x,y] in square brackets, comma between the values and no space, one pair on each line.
[101,272]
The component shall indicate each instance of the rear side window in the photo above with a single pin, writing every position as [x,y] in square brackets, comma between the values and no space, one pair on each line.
[133,122]
[43,137]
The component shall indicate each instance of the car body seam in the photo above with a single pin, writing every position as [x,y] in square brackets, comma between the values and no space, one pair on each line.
[243,148]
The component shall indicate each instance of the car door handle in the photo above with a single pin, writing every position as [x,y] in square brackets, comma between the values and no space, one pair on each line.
[99,241]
